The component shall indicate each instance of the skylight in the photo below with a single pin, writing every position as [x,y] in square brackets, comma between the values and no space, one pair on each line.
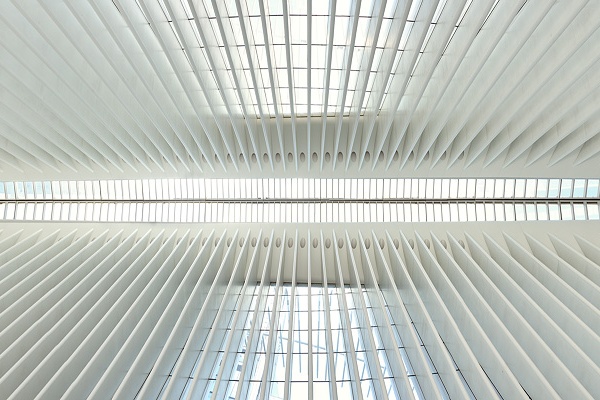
[296,58]
[299,200]
[298,323]
[282,189]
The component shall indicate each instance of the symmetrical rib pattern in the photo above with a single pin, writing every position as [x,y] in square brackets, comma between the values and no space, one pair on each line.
[182,312]
[299,199]
[182,86]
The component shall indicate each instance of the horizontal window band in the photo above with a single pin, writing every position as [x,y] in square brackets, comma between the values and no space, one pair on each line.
[523,200]
[298,212]
[302,189]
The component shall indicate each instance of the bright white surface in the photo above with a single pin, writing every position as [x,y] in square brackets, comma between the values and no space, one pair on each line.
[301,200]
[513,305]
[180,88]
[302,188]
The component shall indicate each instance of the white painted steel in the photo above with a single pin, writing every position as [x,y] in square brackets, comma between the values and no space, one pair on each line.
[419,179]
[177,88]
[128,310]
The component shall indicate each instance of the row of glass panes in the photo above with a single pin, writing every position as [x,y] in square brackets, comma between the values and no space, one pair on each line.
[297,39]
[321,350]
[299,53]
[300,188]
[297,359]
[296,212]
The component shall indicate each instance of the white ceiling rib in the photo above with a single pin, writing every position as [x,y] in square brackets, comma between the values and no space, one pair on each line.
[421,175]
[473,311]
[182,87]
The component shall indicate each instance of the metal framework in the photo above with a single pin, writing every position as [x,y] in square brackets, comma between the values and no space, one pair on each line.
[272,312]
[180,87]
[366,199]
[302,200]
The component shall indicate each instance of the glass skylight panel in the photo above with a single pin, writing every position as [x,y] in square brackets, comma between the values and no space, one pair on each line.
[530,188]
[592,188]
[579,188]
[566,188]
[296,199]
[542,188]
[274,44]
[566,211]
[593,212]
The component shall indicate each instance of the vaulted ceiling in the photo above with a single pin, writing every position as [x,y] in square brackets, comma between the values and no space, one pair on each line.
[183,88]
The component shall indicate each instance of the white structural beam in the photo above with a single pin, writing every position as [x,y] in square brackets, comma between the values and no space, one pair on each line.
[289,199]
[447,309]
[178,88]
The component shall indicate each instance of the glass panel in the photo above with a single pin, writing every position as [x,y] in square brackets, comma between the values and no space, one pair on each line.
[593,211]
[554,212]
[509,189]
[520,188]
[579,211]
[592,188]
[542,212]
[187,205]
[542,188]
[553,188]
[566,211]
[566,187]
[579,188]
[531,188]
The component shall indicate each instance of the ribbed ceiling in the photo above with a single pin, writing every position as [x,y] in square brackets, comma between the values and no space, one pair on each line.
[182,313]
[183,87]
